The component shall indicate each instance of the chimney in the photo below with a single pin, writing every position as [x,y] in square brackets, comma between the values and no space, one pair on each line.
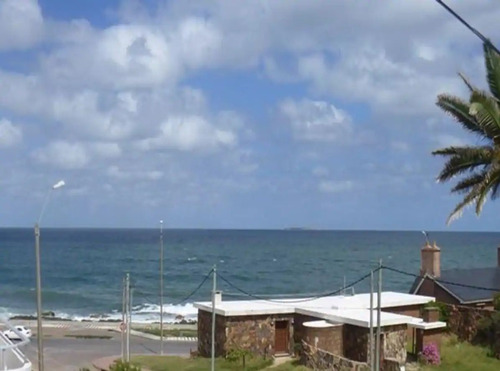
[431,260]
[218,297]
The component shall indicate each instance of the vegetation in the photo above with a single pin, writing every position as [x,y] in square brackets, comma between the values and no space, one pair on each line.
[488,334]
[164,363]
[458,356]
[444,310]
[479,166]
[170,332]
[496,301]
[290,366]
[119,365]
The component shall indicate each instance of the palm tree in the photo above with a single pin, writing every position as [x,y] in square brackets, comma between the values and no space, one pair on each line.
[478,166]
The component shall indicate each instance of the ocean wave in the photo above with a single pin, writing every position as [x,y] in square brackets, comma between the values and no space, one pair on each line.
[143,313]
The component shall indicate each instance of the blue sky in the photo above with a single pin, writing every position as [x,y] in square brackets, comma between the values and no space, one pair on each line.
[234,114]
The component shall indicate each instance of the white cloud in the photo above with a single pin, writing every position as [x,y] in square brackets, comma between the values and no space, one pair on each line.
[21,24]
[190,133]
[335,186]
[64,155]
[316,120]
[400,146]
[10,135]
[118,173]
[447,140]
[320,171]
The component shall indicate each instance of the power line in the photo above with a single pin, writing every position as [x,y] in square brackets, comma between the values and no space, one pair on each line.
[472,29]
[440,280]
[331,293]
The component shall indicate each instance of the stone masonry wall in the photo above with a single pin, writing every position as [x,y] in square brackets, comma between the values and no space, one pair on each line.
[356,343]
[329,339]
[205,334]
[463,320]
[394,345]
[255,333]
[318,359]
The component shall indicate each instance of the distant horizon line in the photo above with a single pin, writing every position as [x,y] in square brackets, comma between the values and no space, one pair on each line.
[283,229]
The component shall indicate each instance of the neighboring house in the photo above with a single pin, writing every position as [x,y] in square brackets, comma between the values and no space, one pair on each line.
[336,324]
[437,283]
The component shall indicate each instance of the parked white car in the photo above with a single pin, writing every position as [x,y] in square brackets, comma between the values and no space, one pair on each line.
[12,335]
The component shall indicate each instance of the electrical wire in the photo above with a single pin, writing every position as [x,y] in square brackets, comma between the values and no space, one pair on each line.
[472,29]
[331,293]
[440,280]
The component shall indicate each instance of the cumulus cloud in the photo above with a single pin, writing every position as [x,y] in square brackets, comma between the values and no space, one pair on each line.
[335,186]
[316,120]
[10,135]
[64,155]
[189,133]
[21,24]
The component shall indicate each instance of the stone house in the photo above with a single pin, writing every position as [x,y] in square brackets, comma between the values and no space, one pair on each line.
[339,325]
[434,282]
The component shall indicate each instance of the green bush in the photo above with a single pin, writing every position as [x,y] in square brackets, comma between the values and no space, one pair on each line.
[488,334]
[444,310]
[119,365]
[496,301]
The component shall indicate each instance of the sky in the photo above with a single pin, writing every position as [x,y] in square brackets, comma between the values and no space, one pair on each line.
[234,114]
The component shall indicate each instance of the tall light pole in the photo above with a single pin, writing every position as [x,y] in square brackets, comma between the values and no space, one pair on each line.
[161,287]
[39,276]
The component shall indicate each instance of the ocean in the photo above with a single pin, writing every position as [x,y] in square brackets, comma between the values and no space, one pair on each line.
[83,269]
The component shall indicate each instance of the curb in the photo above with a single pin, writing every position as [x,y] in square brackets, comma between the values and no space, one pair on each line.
[165,338]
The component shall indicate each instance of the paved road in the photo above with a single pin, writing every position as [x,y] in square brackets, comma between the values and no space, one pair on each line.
[70,354]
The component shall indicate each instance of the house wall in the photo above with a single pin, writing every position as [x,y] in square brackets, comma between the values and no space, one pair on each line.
[329,339]
[392,344]
[319,359]
[427,337]
[253,333]
[429,288]
[205,334]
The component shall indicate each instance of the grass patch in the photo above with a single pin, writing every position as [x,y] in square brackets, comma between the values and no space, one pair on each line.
[291,366]
[88,336]
[458,356]
[166,363]
[170,332]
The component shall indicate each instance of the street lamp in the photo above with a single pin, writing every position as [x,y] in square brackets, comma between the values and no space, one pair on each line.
[59,184]
[161,287]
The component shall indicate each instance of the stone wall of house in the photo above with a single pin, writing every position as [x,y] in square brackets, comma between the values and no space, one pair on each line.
[255,333]
[394,344]
[406,310]
[205,334]
[329,339]
[356,343]
[318,359]
[463,320]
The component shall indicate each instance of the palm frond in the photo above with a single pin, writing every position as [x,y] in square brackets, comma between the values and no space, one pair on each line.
[466,184]
[492,63]
[459,110]
[458,210]
[490,180]
[463,159]
[486,112]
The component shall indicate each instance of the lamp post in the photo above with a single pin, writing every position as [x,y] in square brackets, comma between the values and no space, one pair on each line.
[39,276]
[161,287]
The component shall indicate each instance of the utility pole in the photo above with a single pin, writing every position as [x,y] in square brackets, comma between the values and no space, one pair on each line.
[379,310]
[161,287]
[214,288]
[122,325]
[372,358]
[127,339]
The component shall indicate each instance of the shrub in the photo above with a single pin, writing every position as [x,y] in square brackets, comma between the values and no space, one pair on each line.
[119,365]
[430,355]
[235,355]
[444,310]
[488,333]
[496,301]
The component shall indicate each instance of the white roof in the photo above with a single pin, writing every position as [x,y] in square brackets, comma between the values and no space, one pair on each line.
[354,309]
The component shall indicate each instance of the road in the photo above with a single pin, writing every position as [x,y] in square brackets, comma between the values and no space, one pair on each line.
[70,354]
